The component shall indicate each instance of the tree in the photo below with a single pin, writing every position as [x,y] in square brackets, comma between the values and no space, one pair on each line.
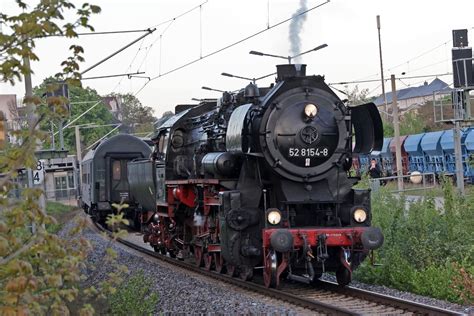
[41,21]
[137,117]
[412,123]
[81,99]
[39,272]
[356,97]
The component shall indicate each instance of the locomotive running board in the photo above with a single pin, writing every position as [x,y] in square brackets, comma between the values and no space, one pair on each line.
[368,128]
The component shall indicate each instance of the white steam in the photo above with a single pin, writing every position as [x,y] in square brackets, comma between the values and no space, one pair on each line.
[296,26]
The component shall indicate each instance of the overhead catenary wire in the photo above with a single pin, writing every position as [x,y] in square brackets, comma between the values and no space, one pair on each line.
[150,31]
[113,130]
[147,48]
[418,56]
[231,45]
[407,61]
[109,32]
[112,76]
[377,80]
[182,14]
[130,65]
[81,115]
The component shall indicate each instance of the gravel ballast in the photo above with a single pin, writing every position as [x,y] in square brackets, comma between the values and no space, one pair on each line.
[180,292]
[189,293]
[406,295]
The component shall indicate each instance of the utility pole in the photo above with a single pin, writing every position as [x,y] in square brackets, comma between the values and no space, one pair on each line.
[458,156]
[396,128]
[30,118]
[459,102]
[78,153]
[463,76]
[61,135]
[31,122]
[381,67]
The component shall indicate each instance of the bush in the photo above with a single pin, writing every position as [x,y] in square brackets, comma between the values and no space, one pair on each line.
[426,251]
[135,297]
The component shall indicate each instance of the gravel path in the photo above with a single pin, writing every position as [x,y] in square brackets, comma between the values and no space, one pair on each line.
[191,293]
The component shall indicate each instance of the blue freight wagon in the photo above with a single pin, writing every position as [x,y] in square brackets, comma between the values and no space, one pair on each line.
[434,158]
[469,145]
[416,158]
[386,157]
[447,145]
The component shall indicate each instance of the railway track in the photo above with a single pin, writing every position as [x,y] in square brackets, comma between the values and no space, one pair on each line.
[324,298]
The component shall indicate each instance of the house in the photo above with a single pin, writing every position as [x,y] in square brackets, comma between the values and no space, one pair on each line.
[57,173]
[114,105]
[415,96]
[12,116]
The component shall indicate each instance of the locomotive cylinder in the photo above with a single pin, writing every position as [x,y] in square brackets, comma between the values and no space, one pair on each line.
[220,163]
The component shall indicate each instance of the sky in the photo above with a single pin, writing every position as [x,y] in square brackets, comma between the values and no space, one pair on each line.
[416,40]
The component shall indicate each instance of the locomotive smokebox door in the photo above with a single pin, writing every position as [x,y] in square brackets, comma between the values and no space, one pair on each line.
[368,128]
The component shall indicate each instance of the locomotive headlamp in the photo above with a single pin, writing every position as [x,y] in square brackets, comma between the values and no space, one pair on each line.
[274,217]
[360,215]
[310,110]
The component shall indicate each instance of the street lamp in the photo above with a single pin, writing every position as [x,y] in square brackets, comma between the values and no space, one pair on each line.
[289,58]
[225,74]
[212,89]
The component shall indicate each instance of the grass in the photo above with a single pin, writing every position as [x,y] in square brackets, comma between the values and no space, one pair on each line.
[61,212]
[426,251]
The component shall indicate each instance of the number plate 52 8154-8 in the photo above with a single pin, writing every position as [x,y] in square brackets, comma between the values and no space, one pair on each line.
[308,152]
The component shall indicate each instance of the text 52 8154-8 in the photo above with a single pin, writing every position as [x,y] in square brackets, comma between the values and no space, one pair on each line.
[308,152]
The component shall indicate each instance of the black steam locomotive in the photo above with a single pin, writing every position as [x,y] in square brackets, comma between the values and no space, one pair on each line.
[260,177]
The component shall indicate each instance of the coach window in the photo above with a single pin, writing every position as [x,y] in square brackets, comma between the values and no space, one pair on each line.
[116,170]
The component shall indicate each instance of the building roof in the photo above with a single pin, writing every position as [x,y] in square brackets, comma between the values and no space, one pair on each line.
[414,92]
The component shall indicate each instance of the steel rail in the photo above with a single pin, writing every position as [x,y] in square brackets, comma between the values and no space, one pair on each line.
[295,296]
[388,300]
[260,289]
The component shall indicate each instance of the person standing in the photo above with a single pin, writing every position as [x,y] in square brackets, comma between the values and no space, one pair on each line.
[374,169]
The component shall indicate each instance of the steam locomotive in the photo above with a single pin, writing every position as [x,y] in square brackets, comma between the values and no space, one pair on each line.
[260,178]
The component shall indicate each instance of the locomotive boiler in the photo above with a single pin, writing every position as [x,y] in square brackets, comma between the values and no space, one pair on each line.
[260,178]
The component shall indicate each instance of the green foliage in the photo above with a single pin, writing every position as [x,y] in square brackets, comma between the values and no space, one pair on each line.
[137,117]
[135,297]
[57,208]
[425,250]
[40,273]
[45,19]
[81,99]
[412,123]
[388,130]
[356,97]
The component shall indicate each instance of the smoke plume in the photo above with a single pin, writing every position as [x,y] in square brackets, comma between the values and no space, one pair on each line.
[296,26]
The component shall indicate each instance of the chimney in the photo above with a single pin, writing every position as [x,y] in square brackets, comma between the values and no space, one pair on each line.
[290,70]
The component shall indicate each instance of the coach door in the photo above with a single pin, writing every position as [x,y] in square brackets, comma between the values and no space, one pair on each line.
[119,188]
